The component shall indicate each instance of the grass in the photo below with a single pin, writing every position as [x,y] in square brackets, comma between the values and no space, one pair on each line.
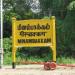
[8,56]
[65,60]
[60,60]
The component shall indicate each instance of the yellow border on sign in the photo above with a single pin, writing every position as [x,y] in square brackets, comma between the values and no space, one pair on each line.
[13,43]
[54,38]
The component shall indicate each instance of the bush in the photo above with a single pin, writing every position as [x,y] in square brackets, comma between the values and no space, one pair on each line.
[26,53]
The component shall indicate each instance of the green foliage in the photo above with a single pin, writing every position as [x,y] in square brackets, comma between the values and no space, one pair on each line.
[46,4]
[69,32]
[59,4]
[64,10]
[59,37]
[65,60]
[14,8]
[30,53]
[71,6]
[46,17]
[34,54]
[36,58]
[7,58]
[7,44]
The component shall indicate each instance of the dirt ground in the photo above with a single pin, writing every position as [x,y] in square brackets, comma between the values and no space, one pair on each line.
[36,70]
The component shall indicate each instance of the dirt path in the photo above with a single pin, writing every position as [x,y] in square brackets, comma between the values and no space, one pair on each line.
[36,70]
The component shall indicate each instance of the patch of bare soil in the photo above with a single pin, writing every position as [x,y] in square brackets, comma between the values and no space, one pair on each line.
[36,70]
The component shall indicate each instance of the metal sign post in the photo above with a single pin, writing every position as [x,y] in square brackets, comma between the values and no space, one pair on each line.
[1,36]
[1,57]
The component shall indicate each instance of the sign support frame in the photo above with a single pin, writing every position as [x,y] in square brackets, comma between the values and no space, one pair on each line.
[54,39]
[14,48]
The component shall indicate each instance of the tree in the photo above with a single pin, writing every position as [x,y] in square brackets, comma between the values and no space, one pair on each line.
[14,8]
[69,30]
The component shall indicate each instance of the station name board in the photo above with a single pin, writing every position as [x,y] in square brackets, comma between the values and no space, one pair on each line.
[30,33]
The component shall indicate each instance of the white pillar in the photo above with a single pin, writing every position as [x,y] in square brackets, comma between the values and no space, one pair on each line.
[1,49]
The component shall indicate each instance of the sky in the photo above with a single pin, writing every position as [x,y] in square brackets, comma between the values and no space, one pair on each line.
[35,6]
